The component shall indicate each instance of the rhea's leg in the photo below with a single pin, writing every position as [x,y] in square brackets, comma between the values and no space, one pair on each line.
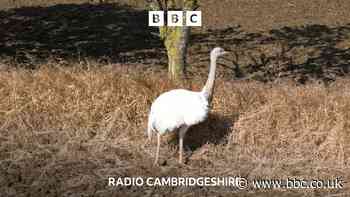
[182,133]
[149,130]
[158,146]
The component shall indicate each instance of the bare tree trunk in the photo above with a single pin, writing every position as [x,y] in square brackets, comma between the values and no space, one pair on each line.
[176,38]
[176,43]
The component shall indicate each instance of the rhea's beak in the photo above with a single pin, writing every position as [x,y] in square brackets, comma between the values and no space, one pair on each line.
[226,52]
[224,57]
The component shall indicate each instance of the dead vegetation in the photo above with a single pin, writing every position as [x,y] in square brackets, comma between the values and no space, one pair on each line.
[64,131]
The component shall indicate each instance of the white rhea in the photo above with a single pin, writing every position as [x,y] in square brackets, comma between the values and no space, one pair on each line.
[180,109]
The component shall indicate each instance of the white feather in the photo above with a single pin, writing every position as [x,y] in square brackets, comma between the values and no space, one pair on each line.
[178,107]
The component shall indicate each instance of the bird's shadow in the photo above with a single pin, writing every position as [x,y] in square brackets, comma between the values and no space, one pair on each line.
[212,131]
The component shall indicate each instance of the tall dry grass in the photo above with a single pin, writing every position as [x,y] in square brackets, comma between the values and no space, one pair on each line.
[63,131]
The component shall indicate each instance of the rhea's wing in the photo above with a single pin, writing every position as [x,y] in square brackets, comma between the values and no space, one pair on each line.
[175,108]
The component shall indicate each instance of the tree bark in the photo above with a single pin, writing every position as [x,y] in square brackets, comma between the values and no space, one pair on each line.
[176,42]
[176,38]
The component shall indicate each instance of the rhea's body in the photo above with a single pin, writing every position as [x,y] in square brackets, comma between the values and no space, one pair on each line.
[185,108]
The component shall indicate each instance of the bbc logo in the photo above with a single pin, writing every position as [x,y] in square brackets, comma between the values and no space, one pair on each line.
[175,18]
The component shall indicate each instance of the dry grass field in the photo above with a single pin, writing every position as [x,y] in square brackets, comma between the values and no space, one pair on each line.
[75,98]
[64,131]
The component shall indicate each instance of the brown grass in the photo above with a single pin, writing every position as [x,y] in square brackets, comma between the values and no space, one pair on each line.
[65,130]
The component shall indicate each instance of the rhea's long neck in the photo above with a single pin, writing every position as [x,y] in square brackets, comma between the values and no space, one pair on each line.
[209,85]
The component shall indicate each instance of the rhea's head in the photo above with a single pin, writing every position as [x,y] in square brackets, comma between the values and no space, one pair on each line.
[217,51]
